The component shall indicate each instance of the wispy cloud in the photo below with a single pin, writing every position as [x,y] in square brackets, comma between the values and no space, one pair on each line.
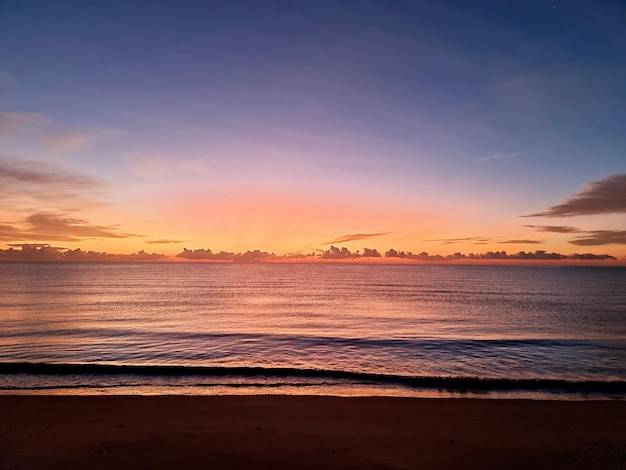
[155,166]
[554,228]
[355,236]
[601,237]
[605,196]
[497,156]
[61,227]
[36,127]
[453,241]
[164,242]
[523,242]
[586,237]
[28,184]
[14,171]
[40,202]
[46,226]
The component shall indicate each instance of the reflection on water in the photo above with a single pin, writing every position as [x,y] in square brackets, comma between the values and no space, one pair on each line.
[508,322]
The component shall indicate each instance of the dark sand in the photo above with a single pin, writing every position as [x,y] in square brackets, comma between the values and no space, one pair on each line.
[257,432]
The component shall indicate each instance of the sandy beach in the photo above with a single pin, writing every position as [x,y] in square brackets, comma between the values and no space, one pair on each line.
[231,432]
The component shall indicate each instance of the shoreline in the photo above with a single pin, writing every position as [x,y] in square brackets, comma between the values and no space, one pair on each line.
[282,431]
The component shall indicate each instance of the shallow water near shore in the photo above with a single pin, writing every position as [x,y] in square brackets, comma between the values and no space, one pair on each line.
[409,330]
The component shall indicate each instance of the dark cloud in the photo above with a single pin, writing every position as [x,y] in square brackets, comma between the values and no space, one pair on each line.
[370,253]
[355,236]
[208,255]
[43,252]
[605,196]
[338,253]
[586,237]
[46,252]
[344,253]
[554,228]
[539,255]
[601,237]
[525,242]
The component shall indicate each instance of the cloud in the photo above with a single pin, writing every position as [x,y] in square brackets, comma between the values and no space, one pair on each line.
[554,228]
[43,130]
[162,242]
[586,237]
[605,196]
[45,226]
[338,253]
[49,226]
[355,236]
[10,233]
[27,184]
[601,237]
[524,241]
[452,241]
[13,171]
[57,194]
[47,252]
[539,255]
[31,186]
[44,252]
[208,255]
[66,141]
[504,156]
[156,166]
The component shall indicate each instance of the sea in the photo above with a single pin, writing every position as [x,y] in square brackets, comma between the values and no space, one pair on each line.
[318,329]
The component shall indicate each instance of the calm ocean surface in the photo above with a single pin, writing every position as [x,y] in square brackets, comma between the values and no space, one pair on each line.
[335,329]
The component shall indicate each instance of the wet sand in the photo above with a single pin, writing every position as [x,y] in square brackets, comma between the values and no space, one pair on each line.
[261,432]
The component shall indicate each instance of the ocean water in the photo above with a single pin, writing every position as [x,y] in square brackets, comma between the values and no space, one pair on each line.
[337,329]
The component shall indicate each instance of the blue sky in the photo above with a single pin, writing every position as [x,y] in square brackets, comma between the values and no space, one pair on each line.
[280,125]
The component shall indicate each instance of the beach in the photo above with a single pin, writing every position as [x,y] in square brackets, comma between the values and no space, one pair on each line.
[263,432]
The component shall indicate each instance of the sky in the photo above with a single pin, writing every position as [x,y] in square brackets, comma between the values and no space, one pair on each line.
[290,126]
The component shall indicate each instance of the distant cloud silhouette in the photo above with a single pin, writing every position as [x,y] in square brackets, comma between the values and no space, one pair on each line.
[370,253]
[423,256]
[165,241]
[208,255]
[355,236]
[539,255]
[43,252]
[523,242]
[554,228]
[605,196]
[338,253]
[601,237]
[46,252]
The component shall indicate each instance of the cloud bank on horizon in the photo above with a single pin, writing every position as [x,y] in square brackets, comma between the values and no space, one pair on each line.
[424,126]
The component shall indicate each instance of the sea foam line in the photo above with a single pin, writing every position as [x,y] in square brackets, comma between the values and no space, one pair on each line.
[424,382]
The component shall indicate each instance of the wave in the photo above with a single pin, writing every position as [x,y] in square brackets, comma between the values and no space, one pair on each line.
[463,384]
